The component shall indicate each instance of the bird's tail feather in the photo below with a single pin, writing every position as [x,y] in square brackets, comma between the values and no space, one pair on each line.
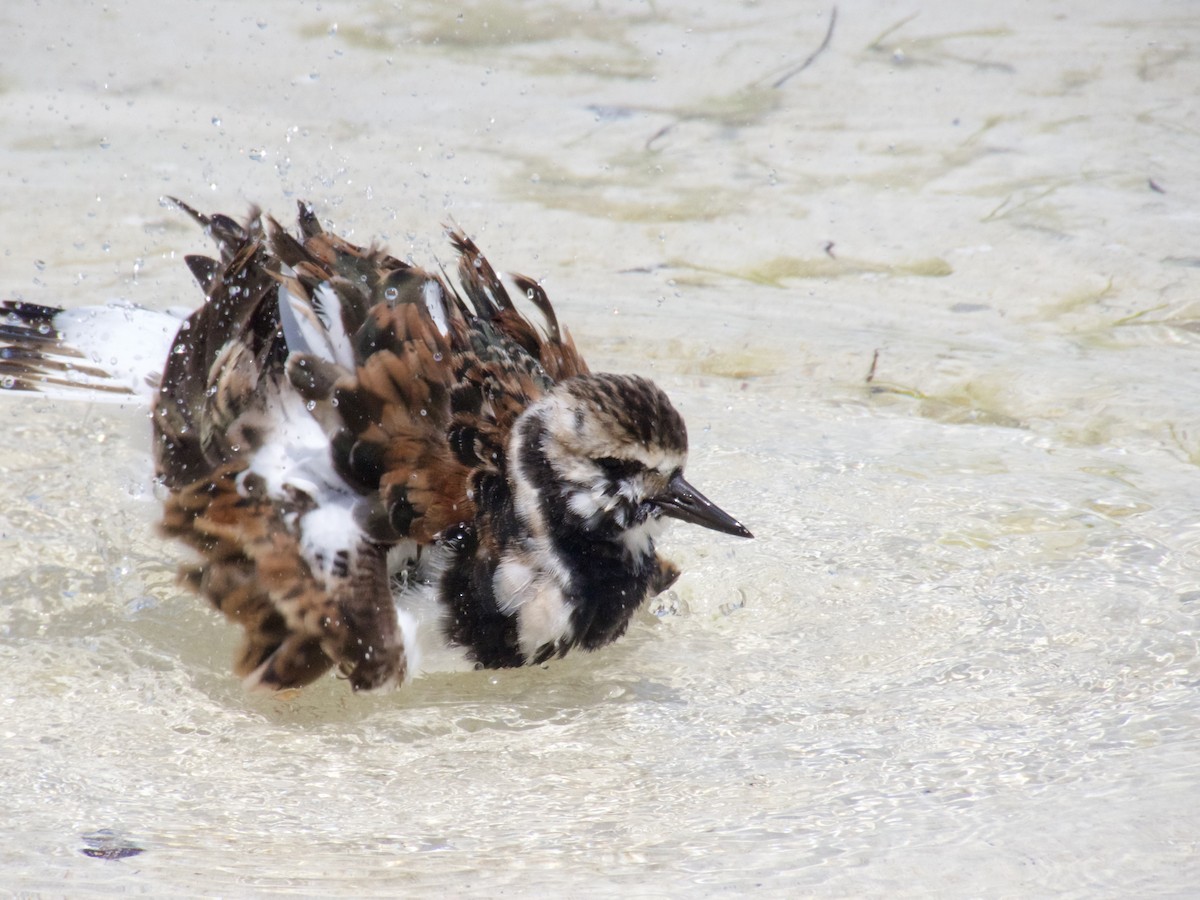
[113,353]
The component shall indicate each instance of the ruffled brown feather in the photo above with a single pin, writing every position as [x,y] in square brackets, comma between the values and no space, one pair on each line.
[418,426]
[256,574]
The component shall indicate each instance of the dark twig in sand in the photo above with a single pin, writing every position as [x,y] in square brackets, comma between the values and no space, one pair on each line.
[871,371]
[662,132]
[779,82]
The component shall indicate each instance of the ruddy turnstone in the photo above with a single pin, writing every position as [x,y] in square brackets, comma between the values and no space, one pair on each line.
[376,469]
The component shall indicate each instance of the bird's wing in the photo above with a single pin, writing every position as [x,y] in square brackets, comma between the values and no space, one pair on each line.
[247,458]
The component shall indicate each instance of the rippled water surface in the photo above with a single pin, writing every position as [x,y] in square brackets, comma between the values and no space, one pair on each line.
[929,303]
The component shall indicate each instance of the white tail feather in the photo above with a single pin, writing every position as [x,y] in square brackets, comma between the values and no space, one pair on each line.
[113,353]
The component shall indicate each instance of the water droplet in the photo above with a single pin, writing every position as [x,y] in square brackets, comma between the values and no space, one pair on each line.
[437,357]
[216,120]
[257,154]
[390,293]
[40,265]
[105,143]
[8,382]
[424,412]
[733,605]
[310,405]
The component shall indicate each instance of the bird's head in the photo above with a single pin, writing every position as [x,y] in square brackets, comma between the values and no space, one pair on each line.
[607,452]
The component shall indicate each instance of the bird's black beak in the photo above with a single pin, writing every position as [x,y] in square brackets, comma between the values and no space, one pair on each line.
[682,501]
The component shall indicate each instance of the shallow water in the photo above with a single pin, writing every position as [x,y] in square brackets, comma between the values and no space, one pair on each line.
[960,657]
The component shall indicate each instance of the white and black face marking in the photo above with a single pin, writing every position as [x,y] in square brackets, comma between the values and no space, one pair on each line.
[620,490]
[596,451]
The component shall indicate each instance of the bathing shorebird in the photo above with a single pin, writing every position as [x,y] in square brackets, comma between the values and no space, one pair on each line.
[374,467]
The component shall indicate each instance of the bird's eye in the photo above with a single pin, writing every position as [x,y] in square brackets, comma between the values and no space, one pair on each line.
[616,468]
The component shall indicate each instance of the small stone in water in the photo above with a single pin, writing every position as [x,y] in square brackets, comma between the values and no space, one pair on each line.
[107,844]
